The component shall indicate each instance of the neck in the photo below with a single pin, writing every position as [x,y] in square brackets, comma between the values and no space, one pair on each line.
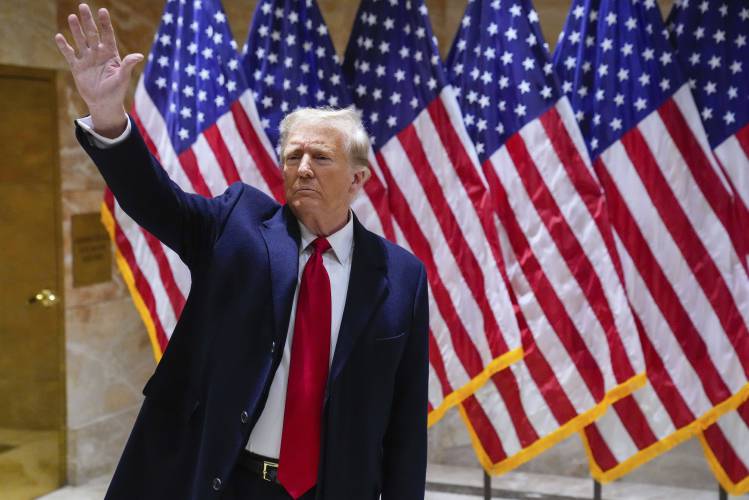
[323,225]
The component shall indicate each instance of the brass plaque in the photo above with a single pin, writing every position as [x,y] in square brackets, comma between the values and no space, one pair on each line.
[92,257]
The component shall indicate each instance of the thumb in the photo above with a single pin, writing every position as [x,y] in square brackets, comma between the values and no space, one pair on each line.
[129,62]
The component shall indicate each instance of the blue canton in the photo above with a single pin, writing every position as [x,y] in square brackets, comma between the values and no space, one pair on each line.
[501,71]
[290,62]
[712,39]
[193,73]
[393,65]
[616,65]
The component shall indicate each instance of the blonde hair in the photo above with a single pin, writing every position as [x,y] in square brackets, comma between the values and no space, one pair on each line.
[347,121]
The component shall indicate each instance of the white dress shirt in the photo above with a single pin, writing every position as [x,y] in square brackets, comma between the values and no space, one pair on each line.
[265,438]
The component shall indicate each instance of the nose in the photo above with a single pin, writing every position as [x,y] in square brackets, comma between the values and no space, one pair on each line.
[305,166]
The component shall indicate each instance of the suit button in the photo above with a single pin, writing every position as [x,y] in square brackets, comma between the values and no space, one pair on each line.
[216,484]
[273,347]
[244,417]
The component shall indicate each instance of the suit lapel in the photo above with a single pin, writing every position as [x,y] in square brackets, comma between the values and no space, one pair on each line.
[368,286]
[281,235]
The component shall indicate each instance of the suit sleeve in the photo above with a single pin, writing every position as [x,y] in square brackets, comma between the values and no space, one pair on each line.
[405,443]
[187,223]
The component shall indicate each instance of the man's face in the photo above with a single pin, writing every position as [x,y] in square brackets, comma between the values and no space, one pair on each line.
[318,179]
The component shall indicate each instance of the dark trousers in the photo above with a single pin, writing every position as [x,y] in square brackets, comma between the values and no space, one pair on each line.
[246,485]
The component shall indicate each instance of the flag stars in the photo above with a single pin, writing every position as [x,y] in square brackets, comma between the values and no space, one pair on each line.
[714,62]
[623,74]
[735,67]
[507,58]
[641,104]
[607,44]
[511,34]
[719,36]
[546,92]
[733,92]
[528,64]
[524,87]
[710,88]
[729,117]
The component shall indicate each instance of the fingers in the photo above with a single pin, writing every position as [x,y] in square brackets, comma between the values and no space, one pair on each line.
[65,49]
[89,26]
[107,32]
[77,32]
[129,62]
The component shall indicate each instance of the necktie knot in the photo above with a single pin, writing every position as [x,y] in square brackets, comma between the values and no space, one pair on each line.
[320,245]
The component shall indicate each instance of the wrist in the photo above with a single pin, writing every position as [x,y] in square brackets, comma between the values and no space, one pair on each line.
[110,123]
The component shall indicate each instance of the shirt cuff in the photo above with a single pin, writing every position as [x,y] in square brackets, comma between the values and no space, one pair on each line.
[99,140]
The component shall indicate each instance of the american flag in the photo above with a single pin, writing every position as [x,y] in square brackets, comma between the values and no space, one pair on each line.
[671,210]
[195,111]
[437,194]
[290,62]
[581,347]
[712,41]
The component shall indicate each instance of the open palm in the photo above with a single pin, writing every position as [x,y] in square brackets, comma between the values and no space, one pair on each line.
[100,75]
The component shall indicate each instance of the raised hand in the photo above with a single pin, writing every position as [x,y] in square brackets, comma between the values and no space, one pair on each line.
[100,75]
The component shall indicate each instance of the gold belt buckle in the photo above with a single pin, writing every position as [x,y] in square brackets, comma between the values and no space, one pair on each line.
[266,467]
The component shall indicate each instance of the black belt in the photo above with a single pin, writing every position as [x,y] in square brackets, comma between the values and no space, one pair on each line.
[266,468]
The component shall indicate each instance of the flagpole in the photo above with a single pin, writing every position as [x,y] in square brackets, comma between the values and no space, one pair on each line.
[722,495]
[596,490]
[487,486]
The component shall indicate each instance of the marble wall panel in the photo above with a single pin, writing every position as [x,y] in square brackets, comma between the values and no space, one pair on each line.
[26,30]
[95,449]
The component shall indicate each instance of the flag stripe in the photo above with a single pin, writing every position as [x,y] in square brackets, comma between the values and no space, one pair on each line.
[223,158]
[559,319]
[573,254]
[508,387]
[485,434]
[465,258]
[189,164]
[140,281]
[463,344]
[435,360]
[725,454]
[700,166]
[264,163]
[692,249]
[692,344]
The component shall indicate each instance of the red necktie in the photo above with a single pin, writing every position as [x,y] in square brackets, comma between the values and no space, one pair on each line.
[308,374]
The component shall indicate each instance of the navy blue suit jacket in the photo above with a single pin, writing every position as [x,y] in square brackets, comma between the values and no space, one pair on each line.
[242,250]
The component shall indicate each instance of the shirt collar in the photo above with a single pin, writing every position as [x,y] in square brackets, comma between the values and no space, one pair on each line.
[341,242]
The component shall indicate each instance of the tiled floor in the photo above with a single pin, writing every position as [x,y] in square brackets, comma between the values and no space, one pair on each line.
[462,483]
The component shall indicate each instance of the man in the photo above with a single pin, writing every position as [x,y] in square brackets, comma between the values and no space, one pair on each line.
[298,368]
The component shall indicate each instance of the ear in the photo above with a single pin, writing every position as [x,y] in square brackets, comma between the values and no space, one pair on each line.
[361,176]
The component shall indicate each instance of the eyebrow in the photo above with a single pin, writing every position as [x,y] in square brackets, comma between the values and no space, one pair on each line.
[319,146]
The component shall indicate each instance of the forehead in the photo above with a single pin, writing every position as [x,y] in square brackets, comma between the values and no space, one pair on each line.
[312,134]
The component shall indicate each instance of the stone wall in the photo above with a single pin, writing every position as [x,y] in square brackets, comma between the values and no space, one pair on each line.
[108,354]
